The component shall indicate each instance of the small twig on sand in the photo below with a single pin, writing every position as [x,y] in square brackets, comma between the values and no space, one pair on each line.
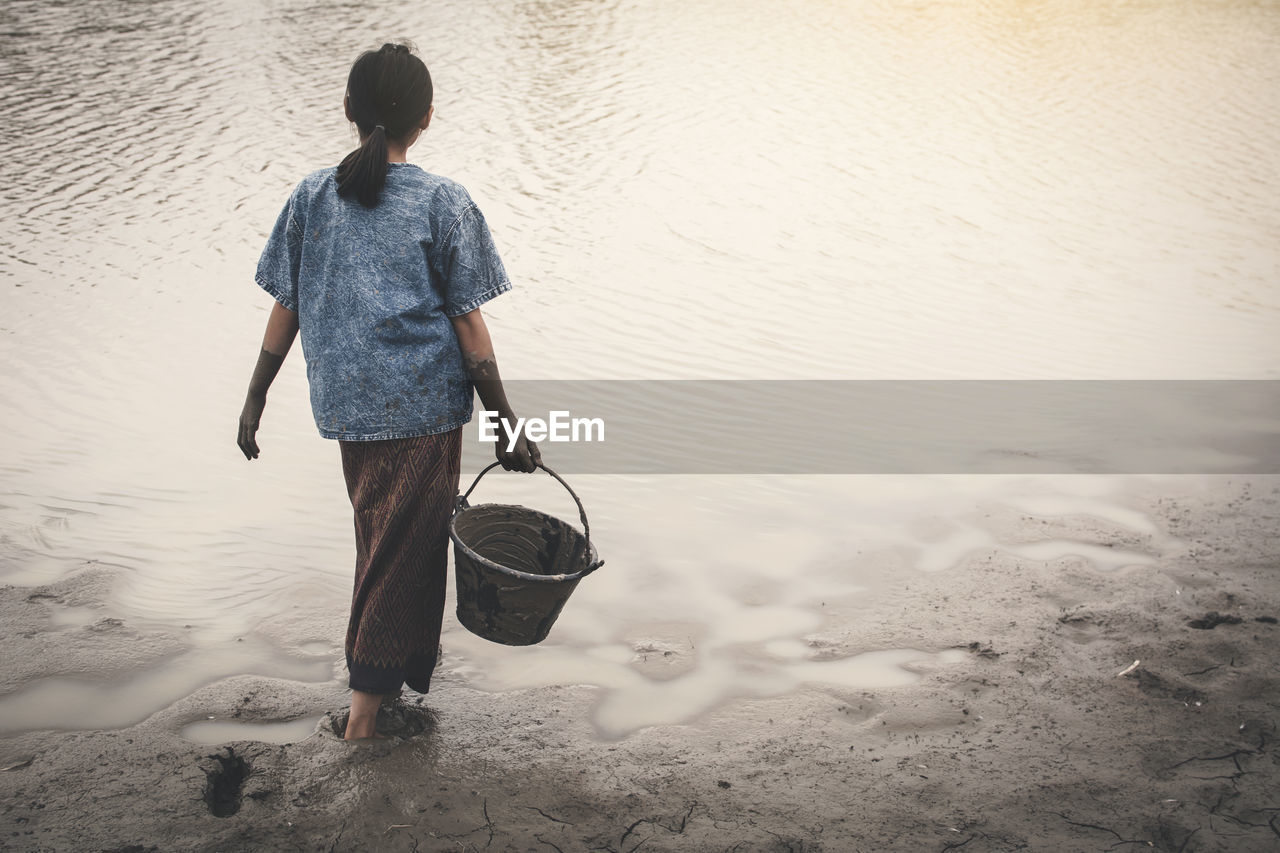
[397,826]
[1128,669]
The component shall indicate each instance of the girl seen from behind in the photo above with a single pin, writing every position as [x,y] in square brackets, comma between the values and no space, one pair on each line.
[382,267]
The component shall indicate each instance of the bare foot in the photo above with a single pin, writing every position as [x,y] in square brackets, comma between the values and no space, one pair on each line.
[375,736]
[362,722]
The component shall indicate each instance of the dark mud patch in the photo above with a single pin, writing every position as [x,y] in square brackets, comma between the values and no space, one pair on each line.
[1212,620]
[224,783]
[982,650]
[394,720]
[1159,687]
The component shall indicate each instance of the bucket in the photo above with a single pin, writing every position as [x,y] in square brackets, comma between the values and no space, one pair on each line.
[516,567]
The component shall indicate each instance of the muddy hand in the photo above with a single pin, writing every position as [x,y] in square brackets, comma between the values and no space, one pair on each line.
[250,417]
[281,329]
[523,457]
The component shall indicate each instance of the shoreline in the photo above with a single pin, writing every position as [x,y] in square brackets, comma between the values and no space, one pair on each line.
[1033,741]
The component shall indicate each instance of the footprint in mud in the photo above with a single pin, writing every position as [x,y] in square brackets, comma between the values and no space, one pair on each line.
[224,783]
[982,650]
[1161,688]
[395,720]
[1213,619]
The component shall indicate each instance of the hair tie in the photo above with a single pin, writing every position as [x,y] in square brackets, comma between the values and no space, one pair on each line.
[380,127]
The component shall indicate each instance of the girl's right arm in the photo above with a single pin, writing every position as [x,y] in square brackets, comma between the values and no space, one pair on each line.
[282,328]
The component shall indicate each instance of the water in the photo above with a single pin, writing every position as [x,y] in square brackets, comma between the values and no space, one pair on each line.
[958,189]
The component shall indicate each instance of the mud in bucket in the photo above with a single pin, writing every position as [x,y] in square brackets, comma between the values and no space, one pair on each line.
[516,567]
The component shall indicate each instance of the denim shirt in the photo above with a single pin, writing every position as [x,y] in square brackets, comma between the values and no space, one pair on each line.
[374,290]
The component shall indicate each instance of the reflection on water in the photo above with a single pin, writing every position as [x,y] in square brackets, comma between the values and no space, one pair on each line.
[972,189]
[727,596]
[632,700]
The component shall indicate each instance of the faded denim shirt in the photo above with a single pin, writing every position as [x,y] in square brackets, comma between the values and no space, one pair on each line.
[374,291]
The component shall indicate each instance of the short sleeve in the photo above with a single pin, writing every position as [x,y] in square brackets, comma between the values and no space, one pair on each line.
[281,259]
[469,265]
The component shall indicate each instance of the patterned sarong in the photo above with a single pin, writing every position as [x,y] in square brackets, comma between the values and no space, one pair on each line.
[402,491]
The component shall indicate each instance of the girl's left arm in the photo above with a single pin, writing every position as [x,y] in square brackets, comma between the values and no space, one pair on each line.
[482,370]
[282,328]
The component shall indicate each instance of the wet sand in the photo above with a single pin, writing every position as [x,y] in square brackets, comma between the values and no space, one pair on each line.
[1034,740]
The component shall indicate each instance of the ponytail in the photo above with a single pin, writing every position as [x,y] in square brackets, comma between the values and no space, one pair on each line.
[388,95]
[363,172]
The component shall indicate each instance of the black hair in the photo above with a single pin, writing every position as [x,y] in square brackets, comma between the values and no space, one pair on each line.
[388,95]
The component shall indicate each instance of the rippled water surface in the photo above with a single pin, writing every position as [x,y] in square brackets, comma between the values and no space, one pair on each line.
[959,189]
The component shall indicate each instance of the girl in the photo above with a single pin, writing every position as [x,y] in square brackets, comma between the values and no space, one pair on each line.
[383,268]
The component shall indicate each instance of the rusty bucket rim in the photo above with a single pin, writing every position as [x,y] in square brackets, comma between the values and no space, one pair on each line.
[461,506]
[592,562]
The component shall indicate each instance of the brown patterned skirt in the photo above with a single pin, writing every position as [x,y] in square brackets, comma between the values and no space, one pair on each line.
[402,491]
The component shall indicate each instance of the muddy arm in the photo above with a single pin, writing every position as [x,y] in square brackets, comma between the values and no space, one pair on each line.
[482,369]
[282,328]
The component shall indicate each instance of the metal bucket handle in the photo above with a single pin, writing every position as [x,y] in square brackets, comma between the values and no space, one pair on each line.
[582,513]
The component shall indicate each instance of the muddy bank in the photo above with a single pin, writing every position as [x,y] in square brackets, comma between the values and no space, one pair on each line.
[63,629]
[1033,740]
